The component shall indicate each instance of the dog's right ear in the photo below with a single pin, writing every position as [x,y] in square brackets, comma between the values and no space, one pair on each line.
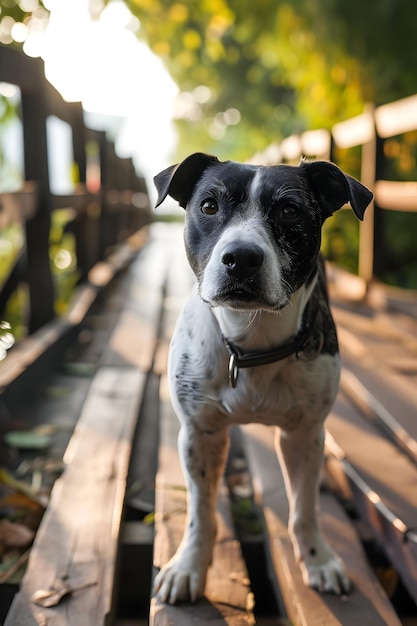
[178,181]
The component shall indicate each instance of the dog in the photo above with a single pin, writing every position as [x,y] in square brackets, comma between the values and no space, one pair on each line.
[255,343]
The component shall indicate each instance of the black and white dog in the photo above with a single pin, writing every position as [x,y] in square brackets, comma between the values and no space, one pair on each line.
[257,343]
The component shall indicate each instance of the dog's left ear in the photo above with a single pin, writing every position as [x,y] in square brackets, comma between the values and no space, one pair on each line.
[178,181]
[334,188]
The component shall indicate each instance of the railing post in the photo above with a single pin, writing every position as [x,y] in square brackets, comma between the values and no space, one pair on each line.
[367,227]
[39,278]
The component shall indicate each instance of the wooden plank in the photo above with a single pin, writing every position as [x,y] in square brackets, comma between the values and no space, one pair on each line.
[78,537]
[397,117]
[135,335]
[367,603]
[384,486]
[372,347]
[396,195]
[79,534]
[371,407]
[355,131]
[228,599]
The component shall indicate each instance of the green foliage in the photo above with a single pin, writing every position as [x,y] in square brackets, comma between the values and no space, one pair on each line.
[399,245]
[285,65]
[341,239]
[62,253]
[282,65]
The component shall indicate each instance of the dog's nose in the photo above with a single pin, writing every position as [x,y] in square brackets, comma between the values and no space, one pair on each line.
[242,260]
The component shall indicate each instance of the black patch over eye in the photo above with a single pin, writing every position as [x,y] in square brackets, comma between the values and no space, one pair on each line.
[209,206]
[290,213]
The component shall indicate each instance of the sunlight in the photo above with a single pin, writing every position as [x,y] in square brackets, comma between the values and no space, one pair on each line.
[123,86]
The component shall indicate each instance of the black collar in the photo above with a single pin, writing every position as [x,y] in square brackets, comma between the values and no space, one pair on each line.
[241,359]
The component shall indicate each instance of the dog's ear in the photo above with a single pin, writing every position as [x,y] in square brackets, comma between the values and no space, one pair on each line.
[334,188]
[179,180]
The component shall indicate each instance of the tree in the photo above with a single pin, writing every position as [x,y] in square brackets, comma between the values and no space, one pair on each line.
[277,66]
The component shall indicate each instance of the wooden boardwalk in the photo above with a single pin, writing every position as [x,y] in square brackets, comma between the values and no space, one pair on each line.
[98,527]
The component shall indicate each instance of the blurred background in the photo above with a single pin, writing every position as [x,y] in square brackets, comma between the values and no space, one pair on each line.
[234,78]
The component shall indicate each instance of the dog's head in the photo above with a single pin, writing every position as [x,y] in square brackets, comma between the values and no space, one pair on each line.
[253,233]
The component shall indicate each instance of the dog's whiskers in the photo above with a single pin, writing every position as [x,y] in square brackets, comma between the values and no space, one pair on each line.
[252,318]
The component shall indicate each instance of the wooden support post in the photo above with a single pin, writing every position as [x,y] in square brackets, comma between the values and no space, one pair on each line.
[366,228]
[39,278]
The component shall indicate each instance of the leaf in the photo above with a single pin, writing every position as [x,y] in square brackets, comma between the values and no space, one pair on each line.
[52,597]
[149,519]
[45,430]
[22,488]
[22,501]
[80,369]
[15,535]
[27,440]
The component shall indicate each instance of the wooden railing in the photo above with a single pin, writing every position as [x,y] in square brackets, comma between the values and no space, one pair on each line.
[108,201]
[369,132]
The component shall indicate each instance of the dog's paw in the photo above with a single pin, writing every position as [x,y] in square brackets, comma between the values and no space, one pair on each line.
[180,580]
[326,577]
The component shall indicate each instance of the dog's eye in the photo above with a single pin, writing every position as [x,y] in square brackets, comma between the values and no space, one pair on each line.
[209,207]
[290,212]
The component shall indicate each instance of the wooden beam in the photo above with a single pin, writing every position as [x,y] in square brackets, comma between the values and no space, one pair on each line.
[77,541]
[366,604]
[78,537]
[396,195]
[397,117]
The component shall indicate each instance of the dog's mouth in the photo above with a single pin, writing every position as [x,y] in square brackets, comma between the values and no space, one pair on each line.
[245,300]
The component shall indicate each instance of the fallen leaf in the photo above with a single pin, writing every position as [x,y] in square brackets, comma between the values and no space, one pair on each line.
[51,597]
[149,519]
[23,488]
[22,501]
[80,369]
[15,535]
[27,440]
[45,430]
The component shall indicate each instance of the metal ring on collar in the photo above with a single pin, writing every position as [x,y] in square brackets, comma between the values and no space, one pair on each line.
[233,371]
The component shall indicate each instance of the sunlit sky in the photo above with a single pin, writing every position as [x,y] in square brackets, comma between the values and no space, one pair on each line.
[122,85]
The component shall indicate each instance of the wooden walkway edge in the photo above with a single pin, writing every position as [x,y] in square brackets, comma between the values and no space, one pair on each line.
[77,541]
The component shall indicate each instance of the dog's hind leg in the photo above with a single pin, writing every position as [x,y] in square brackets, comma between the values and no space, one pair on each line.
[300,453]
[203,456]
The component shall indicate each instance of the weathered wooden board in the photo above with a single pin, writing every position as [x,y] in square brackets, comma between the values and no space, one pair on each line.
[367,603]
[78,536]
[384,486]
[228,599]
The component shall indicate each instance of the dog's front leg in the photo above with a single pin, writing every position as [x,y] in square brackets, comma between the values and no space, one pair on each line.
[301,453]
[203,455]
